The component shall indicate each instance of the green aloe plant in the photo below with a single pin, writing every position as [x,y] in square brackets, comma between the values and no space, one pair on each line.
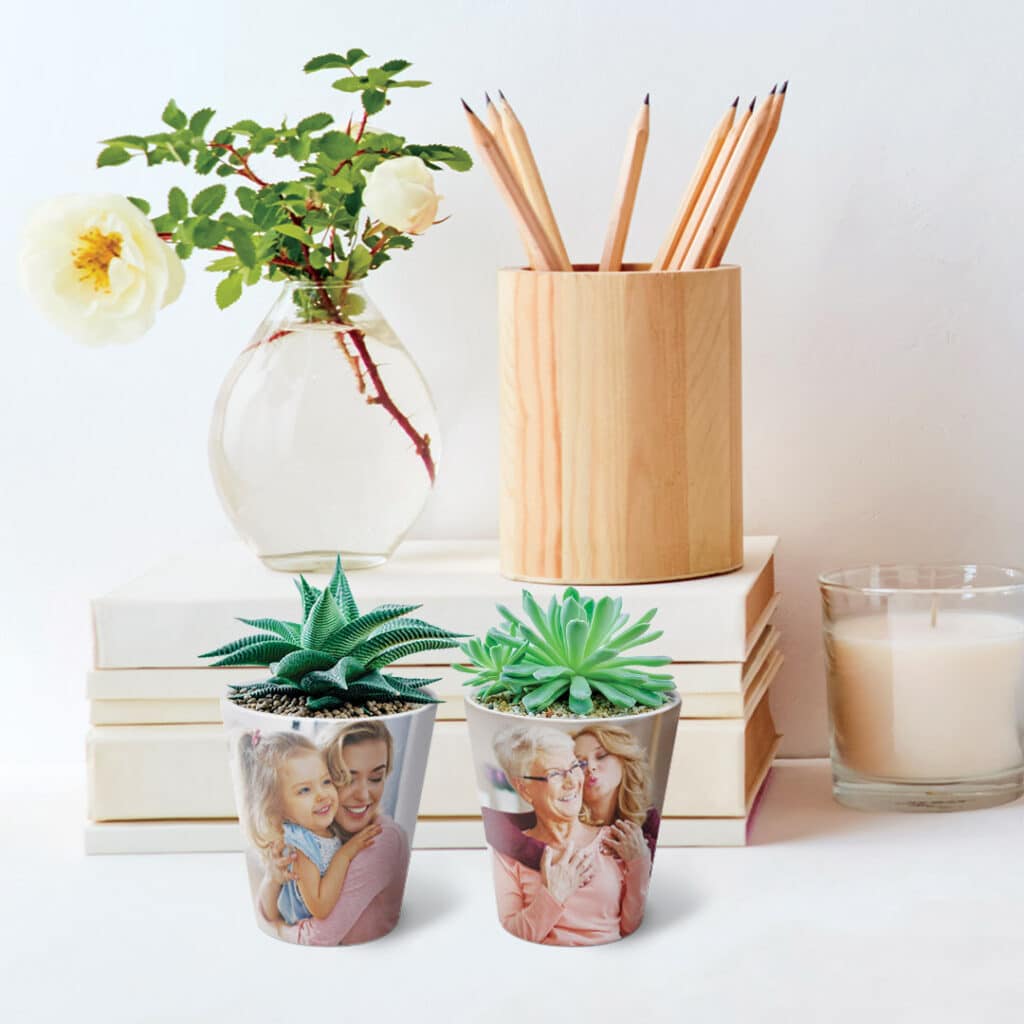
[335,655]
[576,647]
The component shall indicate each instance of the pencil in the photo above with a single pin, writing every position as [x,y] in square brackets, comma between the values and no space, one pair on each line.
[511,191]
[708,191]
[729,189]
[528,175]
[722,242]
[629,179]
[693,189]
[497,130]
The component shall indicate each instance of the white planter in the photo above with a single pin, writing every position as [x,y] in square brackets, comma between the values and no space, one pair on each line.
[542,895]
[271,757]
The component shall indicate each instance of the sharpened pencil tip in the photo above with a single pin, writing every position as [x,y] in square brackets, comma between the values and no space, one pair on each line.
[774,87]
[647,100]
[785,86]
[466,107]
[487,96]
[751,108]
[736,103]
[504,98]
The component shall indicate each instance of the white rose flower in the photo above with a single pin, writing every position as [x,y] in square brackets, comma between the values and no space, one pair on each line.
[400,193]
[96,267]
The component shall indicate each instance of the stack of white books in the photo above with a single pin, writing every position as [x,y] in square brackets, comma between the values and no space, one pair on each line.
[158,777]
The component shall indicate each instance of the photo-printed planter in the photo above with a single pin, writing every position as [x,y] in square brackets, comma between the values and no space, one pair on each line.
[571,810]
[328,807]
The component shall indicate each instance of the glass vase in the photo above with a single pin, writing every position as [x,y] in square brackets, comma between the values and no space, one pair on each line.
[324,439]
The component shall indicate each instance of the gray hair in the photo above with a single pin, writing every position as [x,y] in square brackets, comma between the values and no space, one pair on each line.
[517,746]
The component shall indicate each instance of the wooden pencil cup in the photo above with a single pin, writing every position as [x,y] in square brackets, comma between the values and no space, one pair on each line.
[621,445]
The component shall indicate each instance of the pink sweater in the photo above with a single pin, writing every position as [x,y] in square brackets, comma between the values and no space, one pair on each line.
[371,898]
[610,906]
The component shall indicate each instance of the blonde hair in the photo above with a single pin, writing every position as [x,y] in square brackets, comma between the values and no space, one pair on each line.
[333,746]
[260,759]
[632,800]
[516,747]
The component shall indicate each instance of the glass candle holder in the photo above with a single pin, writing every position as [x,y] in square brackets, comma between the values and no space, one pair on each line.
[925,670]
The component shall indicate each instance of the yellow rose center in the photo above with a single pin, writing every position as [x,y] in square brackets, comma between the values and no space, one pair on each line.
[92,258]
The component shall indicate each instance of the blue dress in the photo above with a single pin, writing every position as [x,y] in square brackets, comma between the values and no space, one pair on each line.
[320,850]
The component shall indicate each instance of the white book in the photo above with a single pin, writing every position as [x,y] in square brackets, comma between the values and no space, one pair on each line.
[164,696]
[170,615]
[156,772]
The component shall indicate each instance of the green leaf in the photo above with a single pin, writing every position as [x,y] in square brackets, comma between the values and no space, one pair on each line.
[323,619]
[246,197]
[543,696]
[407,650]
[243,245]
[165,222]
[307,593]
[453,156]
[140,204]
[229,290]
[285,630]
[314,123]
[359,262]
[113,155]
[200,120]
[374,100]
[298,663]
[325,60]
[337,145]
[349,84]
[128,141]
[394,66]
[177,204]
[354,56]
[246,127]
[207,233]
[294,231]
[220,266]
[205,162]
[260,653]
[254,275]
[580,702]
[317,260]
[209,200]
[342,592]
[410,83]
[173,116]
[378,78]
[184,250]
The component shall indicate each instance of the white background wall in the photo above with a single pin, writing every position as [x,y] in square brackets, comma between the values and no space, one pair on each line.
[883,350]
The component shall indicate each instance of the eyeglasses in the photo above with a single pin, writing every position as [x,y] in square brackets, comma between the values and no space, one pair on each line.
[557,774]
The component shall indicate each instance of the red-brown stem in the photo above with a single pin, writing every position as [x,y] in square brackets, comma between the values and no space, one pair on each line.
[246,171]
[267,341]
[421,441]
[362,125]
[278,261]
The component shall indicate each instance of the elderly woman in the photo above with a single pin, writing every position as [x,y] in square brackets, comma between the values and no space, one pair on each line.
[591,884]
[359,759]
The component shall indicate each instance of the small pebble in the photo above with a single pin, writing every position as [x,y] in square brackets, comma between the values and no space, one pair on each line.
[295,707]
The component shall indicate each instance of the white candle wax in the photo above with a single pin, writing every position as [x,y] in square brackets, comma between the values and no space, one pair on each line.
[912,700]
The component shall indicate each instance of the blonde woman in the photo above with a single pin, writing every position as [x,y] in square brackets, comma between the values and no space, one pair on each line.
[359,760]
[616,789]
[590,887]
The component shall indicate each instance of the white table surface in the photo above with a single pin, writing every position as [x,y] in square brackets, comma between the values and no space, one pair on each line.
[830,916]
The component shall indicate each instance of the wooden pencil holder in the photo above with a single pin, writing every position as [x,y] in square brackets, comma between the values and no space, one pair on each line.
[621,445]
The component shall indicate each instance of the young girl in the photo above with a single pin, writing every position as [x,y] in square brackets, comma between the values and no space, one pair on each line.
[291,801]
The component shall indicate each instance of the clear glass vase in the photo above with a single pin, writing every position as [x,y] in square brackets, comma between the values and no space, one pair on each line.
[324,438]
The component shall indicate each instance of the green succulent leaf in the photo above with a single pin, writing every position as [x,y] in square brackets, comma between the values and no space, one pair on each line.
[323,619]
[580,702]
[285,630]
[298,663]
[307,593]
[394,654]
[260,652]
[342,592]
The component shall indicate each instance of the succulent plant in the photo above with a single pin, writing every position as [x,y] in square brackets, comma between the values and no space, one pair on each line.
[335,655]
[576,647]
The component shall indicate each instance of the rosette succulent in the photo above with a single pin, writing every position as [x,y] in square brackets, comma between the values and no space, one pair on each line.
[576,648]
[335,655]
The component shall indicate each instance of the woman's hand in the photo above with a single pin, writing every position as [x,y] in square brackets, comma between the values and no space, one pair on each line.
[626,841]
[564,876]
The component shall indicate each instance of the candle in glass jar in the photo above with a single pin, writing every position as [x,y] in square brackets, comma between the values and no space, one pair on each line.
[926,695]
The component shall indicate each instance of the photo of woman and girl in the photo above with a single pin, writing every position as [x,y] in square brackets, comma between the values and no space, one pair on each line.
[575,870]
[330,866]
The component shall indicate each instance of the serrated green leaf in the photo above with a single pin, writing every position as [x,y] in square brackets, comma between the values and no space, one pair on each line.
[407,650]
[209,200]
[207,233]
[243,246]
[294,231]
[184,250]
[246,127]
[229,290]
[128,142]
[246,197]
[409,83]
[261,653]
[337,145]
[307,593]
[394,66]
[221,265]
[200,120]
[140,204]
[164,223]
[349,84]
[297,663]
[173,116]
[325,60]
[314,123]
[374,100]
[355,55]
[113,155]
[177,204]
[323,619]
